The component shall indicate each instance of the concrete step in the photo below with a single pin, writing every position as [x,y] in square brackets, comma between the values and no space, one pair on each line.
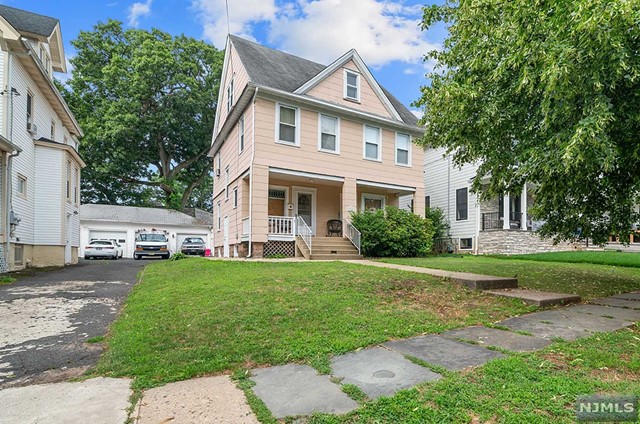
[350,257]
[328,240]
[537,298]
[335,251]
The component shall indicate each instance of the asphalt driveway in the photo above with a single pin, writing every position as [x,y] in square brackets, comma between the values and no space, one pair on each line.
[47,318]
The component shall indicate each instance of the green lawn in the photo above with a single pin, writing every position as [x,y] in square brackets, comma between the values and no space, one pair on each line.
[585,279]
[196,316]
[600,258]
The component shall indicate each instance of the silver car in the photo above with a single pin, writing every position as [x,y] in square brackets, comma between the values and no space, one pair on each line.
[102,249]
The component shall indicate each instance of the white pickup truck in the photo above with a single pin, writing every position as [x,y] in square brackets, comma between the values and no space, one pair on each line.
[149,243]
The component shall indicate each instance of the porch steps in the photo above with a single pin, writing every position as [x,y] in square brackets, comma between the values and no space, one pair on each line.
[333,248]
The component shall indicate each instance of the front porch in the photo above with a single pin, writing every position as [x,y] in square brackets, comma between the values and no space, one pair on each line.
[302,209]
[513,206]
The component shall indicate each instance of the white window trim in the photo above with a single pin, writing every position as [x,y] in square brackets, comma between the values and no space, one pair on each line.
[235,197]
[358,85]
[230,96]
[242,140]
[218,165]
[465,248]
[297,131]
[372,196]
[409,157]
[337,151]
[226,183]
[364,143]
[23,178]
[219,217]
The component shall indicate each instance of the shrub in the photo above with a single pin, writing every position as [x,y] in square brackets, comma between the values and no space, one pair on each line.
[178,256]
[393,232]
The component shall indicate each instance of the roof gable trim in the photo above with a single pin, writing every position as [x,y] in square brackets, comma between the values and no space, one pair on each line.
[364,70]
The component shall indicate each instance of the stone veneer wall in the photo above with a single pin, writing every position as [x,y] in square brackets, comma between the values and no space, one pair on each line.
[513,242]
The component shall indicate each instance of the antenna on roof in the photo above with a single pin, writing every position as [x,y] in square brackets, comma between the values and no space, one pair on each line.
[228,25]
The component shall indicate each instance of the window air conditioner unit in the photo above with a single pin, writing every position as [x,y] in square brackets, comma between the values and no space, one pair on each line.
[217,172]
[32,128]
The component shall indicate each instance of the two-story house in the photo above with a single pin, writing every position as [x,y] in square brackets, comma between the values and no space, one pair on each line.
[298,146]
[40,184]
[501,225]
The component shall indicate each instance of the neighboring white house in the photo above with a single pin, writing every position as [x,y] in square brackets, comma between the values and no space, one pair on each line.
[40,190]
[478,226]
[122,222]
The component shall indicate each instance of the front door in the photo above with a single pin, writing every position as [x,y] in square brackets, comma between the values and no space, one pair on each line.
[67,247]
[305,208]
[225,252]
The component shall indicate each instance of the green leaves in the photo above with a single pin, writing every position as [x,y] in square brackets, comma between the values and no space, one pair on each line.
[545,92]
[146,101]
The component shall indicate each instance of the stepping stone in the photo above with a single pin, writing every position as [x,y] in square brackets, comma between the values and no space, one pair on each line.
[618,303]
[200,400]
[379,372]
[292,390]
[627,296]
[498,338]
[608,311]
[443,352]
[565,323]
[537,298]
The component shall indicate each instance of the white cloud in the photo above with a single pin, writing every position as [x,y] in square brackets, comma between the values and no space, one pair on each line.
[242,14]
[409,71]
[137,10]
[382,31]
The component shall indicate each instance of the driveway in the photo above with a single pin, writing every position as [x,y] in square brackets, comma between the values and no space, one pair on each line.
[47,318]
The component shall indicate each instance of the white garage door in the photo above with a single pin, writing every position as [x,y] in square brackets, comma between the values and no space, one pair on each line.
[120,237]
[180,238]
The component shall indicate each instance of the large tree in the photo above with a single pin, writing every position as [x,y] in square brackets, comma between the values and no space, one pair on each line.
[544,91]
[146,102]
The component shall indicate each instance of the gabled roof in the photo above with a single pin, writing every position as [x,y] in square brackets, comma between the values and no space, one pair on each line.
[29,22]
[137,215]
[283,71]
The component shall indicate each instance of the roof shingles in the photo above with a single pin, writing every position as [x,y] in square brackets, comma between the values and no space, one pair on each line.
[24,21]
[137,215]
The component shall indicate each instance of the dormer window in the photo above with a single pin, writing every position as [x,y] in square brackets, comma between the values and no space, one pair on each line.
[351,85]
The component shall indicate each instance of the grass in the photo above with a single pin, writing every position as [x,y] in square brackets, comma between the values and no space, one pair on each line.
[4,280]
[538,387]
[198,317]
[585,279]
[627,259]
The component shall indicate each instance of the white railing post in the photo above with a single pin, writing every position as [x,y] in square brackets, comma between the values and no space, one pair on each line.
[303,230]
[353,235]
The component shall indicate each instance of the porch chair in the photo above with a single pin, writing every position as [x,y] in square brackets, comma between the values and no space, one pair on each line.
[334,226]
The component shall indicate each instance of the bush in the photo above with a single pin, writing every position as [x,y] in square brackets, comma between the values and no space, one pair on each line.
[178,256]
[393,232]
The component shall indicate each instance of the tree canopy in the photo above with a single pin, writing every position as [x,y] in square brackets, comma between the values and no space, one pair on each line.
[146,101]
[544,91]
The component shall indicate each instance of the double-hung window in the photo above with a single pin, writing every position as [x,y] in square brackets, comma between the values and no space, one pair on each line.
[287,125]
[29,111]
[226,183]
[235,197]
[351,85]
[403,149]
[372,143]
[230,96]
[462,204]
[241,133]
[329,140]
[219,216]
[53,130]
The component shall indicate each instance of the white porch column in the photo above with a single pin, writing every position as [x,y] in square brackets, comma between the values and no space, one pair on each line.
[523,208]
[506,209]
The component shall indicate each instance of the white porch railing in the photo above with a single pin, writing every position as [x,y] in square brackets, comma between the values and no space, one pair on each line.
[303,230]
[281,226]
[246,228]
[353,234]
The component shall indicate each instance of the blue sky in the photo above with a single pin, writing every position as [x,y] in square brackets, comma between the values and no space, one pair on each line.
[384,32]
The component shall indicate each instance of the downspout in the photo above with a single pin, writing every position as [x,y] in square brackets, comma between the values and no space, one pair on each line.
[253,157]
[8,181]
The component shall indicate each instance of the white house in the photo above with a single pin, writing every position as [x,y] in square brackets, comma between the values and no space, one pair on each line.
[40,190]
[121,223]
[479,226]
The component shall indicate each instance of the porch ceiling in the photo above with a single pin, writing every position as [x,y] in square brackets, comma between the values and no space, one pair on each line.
[301,177]
[390,188]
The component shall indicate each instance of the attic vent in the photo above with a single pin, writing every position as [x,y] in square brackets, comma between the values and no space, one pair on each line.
[276,194]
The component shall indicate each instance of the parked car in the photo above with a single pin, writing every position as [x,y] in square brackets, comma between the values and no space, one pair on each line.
[118,246]
[150,243]
[193,246]
[102,249]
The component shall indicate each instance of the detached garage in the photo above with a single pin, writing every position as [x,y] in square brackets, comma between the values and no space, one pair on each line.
[121,223]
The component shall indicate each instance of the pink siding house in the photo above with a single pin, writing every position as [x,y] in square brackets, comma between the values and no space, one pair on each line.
[297,145]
